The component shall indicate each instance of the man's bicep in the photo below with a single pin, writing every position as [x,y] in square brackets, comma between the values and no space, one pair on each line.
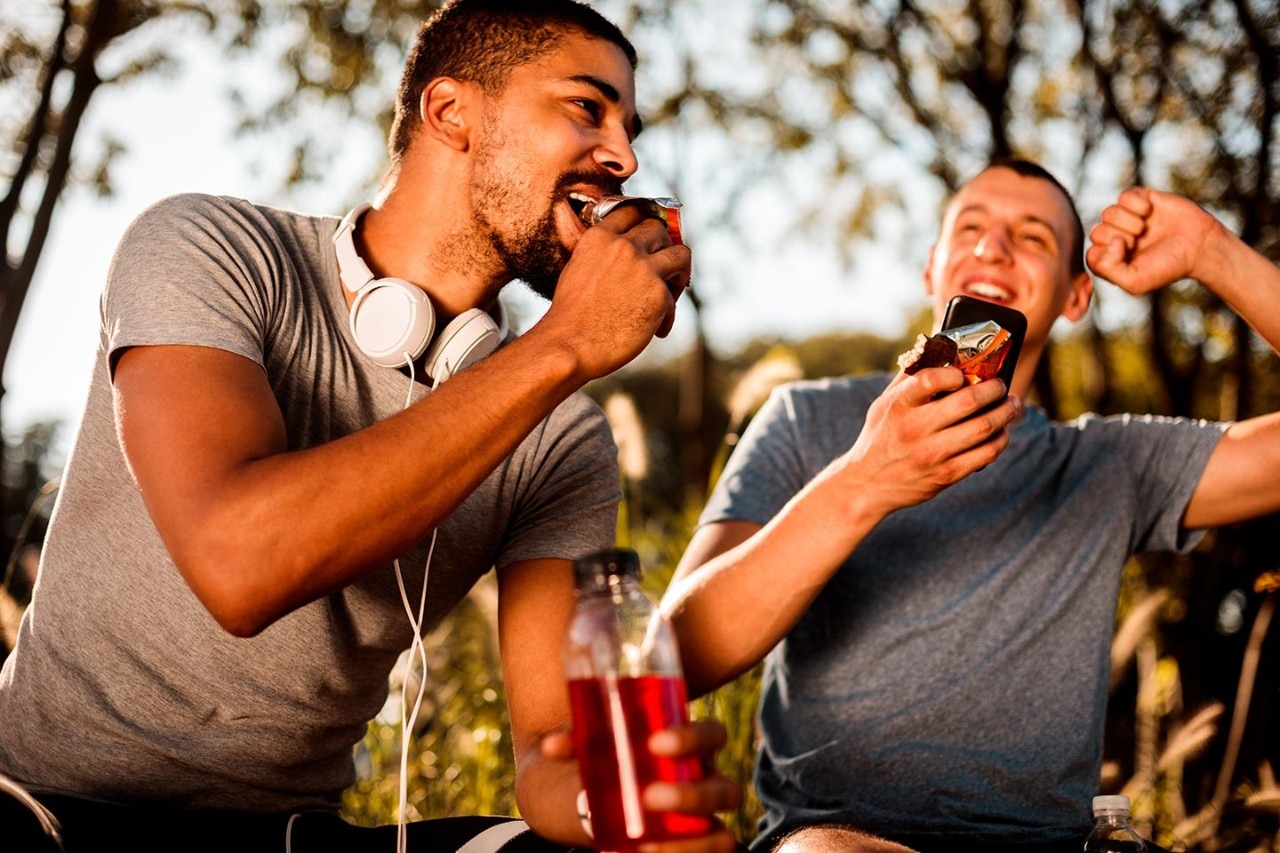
[188,418]
[712,540]
[1242,477]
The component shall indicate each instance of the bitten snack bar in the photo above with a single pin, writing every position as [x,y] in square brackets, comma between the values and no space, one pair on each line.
[929,351]
[977,349]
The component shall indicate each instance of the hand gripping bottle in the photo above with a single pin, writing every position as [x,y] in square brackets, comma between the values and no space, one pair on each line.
[625,683]
[1111,832]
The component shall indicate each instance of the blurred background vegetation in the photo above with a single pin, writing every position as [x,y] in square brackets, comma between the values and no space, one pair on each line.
[862,117]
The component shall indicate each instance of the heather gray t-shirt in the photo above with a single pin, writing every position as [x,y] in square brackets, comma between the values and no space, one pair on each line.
[122,686]
[952,676]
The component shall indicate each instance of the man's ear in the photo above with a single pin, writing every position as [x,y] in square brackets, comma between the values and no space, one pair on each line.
[1077,304]
[445,108]
[928,271]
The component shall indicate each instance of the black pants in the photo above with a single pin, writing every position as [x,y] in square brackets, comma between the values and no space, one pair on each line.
[88,827]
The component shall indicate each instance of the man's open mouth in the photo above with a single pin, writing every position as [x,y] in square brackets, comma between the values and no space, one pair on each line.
[988,291]
[579,202]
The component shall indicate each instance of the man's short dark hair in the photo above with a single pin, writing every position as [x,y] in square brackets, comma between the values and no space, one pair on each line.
[482,41]
[1029,169]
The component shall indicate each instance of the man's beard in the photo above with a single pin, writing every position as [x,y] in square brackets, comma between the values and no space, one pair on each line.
[534,256]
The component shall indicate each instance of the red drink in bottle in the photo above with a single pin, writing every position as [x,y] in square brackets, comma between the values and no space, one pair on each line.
[613,720]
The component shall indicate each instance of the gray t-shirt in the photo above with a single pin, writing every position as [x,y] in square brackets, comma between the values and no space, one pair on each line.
[952,676]
[122,686]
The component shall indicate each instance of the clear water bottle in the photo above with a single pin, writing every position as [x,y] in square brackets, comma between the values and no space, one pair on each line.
[625,683]
[1111,831]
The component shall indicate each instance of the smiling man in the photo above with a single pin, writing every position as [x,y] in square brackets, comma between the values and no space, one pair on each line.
[301,427]
[932,577]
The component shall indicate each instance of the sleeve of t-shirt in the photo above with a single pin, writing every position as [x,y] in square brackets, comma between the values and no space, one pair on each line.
[194,270]
[766,468]
[569,487]
[1165,458]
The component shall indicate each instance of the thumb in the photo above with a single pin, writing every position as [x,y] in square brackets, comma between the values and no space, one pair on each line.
[1109,262]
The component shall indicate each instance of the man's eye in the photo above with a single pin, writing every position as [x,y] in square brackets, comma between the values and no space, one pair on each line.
[588,106]
[1035,240]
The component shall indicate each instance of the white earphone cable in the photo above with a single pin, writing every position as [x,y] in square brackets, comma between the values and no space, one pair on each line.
[408,721]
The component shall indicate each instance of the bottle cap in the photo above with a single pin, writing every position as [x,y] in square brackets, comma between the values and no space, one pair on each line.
[614,562]
[1111,803]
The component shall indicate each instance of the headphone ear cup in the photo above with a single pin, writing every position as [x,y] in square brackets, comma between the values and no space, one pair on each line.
[470,336]
[392,321]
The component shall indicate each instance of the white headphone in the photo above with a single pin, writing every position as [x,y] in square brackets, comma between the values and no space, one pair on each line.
[392,320]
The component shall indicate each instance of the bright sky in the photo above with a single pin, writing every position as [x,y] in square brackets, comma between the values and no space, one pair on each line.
[180,138]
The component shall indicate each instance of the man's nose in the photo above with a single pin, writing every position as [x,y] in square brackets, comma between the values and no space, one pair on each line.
[616,156]
[993,246]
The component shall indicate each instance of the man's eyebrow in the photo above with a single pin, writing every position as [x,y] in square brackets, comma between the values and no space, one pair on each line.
[611,94]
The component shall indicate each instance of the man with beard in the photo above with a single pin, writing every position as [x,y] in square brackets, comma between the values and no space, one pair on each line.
[284,473]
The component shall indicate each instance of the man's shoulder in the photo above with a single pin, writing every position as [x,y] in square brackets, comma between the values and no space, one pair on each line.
[207,212]
[1098,426]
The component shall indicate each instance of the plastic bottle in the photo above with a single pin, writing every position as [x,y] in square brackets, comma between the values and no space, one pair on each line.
[1111,831]
[625,683]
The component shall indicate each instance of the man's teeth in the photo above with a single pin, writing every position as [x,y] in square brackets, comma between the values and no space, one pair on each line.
[579,201]
[987,291]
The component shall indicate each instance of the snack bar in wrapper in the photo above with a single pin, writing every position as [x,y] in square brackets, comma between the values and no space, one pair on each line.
[665,209]
[977,349]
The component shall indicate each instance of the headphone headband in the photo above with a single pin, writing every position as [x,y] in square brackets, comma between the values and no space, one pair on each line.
[352,269]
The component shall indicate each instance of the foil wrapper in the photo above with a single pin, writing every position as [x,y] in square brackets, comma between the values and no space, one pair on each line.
[665,209]
[978,349]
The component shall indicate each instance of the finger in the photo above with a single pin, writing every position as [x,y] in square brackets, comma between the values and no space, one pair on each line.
[621,219]
[928,383]
[1124,221]
[994,419]
[961,400]
[1104,234]
[960,418]
[1137,199]
[716,793]
[696,738]
[1110,259]
[979,455]
[674,264]
[898,378]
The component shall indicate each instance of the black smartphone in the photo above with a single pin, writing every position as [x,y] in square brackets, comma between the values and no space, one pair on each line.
[965,310]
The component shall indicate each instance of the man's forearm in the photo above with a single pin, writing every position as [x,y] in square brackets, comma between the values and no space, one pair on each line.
[1245,280]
